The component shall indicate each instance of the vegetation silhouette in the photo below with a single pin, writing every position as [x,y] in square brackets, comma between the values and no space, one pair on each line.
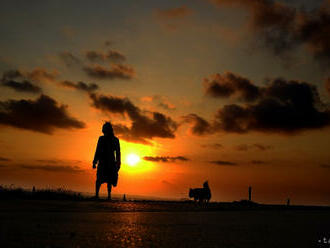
[108,160]
[10,192]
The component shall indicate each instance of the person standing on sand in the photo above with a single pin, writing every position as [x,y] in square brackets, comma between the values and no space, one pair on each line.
[107,158]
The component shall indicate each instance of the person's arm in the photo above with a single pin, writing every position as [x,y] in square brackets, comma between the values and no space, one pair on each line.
[97,153]
[118,156]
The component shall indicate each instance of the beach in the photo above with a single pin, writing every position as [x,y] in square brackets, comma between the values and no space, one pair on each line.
[33,223]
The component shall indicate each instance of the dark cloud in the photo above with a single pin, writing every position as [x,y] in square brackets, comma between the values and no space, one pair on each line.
[245,147]
[22,81]
[3,159]
[282,106]
[165,159]
[313,30]
[11,74]
[94,56]
[111,55]
[174,13]
[223,163]
[212,146]
[53,168]
[116,71]
[41,115]
[24,86]
[91,87]
[325,166]
[48,161]
[70,59]
[145,125]
[115,56]
[258,162]
[199,126]
[37,74]
[228,85]
[283,27]
[262,147]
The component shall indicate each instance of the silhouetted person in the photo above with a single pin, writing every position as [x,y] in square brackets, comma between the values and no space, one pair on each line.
[107,158]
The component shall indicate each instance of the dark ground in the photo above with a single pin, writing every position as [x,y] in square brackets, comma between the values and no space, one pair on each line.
[47,223]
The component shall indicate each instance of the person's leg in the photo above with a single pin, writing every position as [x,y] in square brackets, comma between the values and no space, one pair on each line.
[97,188]
[109,191]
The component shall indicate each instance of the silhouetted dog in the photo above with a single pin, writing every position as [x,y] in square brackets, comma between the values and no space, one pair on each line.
[201,194]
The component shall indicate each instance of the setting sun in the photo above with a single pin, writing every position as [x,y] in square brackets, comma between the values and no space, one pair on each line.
[132,159]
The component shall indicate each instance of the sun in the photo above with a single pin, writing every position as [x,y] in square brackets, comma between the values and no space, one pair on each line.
[132,159]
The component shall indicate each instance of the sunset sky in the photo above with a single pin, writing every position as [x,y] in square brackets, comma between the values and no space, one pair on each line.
[231,91]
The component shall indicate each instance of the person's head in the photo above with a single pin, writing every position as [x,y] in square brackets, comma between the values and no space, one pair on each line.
[206,184]
[107,129]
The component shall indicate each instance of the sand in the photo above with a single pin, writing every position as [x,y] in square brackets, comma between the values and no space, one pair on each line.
[25,223]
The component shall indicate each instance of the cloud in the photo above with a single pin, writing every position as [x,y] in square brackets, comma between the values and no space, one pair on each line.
[144,125]
[262,147]
[116,56]
[23,81]
[167,105]
[3,159]
[24,86]
[116,71]
[95,56]
[91,87]
[69,59]
[245,147]
[161,101]
[174,13]
[58,161]
[213,146]
[223,163]
[283,27]
[40,75]
[42,115]
[165,159]
[37,74]
[199,126]
[325,166]
[327,85]
[111,55]
[53,168]
[228,85]
[242,147]
[258,162]
[282,106]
